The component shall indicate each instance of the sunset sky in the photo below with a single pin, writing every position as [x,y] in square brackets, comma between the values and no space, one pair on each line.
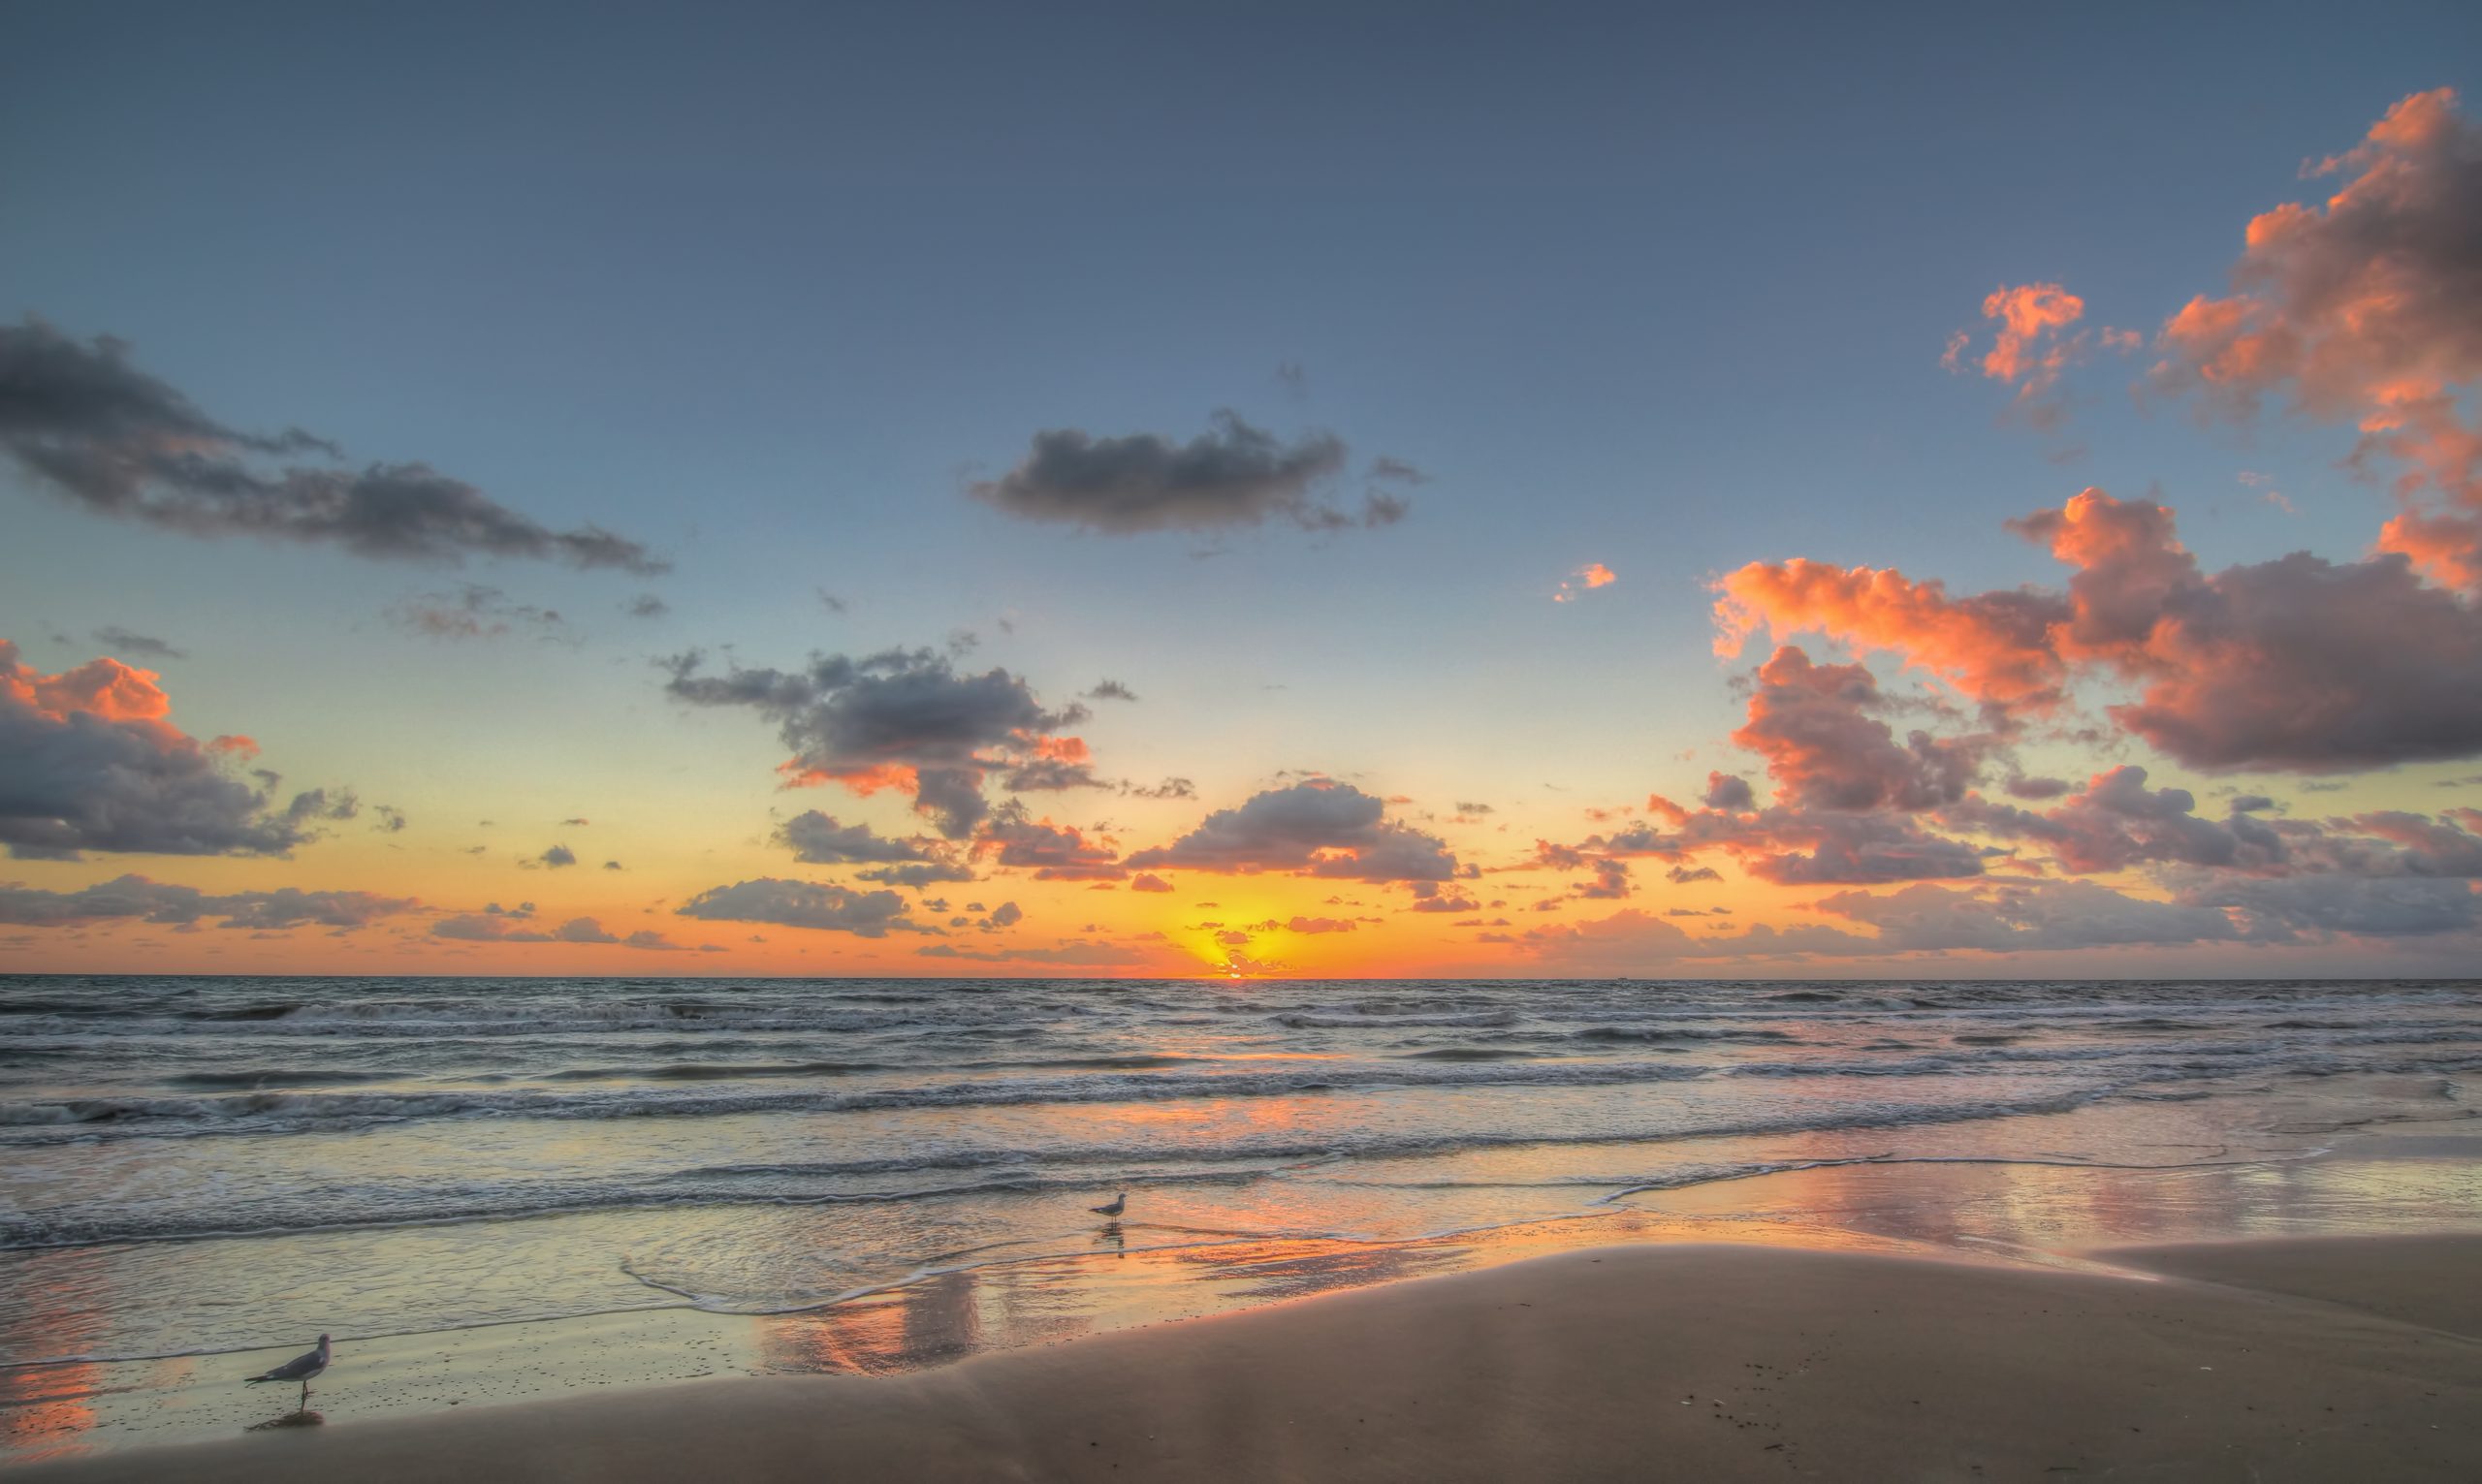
[1337,491]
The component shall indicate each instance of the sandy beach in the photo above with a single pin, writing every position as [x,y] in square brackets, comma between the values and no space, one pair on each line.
[2264,1360]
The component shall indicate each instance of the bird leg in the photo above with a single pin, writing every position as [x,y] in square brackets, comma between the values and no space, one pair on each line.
[306,1395]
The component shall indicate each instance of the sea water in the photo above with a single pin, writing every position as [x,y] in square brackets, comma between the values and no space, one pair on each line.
[189,1166]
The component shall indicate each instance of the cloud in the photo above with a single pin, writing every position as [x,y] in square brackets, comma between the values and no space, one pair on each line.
[497,927]
[818,839]
[1110,690]
[1050,765]
[88,762]
[313,805]
[1824,748]
[2118,822]
[2022,918]
[803,904]
[392,820]
[1315,924]
[1232,475]
[1053,852]
[1149,882]
[1075,952]
[1585,578]
[85,422]
[2364,308]
[1630,939]
[2351,906]
[1994,646]
[646,605]
[1318,828]
[902,719]
[918,874]
[1797,847]
[2297,663]
[473,611]
[135,897]
[115,636]
[558,856]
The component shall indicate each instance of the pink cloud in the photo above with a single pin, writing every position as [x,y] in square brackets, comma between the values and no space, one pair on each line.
[2297,663]
[2364,308]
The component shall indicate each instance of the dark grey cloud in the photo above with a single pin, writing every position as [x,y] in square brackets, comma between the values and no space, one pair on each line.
[903,718]
[85,422]
[142,646]
[2118,822]
[1317,828]
[1110,690]
[135,897]
[646,605]
[1232,475]
[317,803]
[818,839]
[917,875]
[1727,791]
[493,926]
[391,819]
[558,856]
[87,763]
[804,905]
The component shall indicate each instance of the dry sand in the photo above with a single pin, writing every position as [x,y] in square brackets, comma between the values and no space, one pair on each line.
[2260,1361]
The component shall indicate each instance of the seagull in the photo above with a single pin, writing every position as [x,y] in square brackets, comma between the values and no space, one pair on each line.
[299,1369]
[1120,1203]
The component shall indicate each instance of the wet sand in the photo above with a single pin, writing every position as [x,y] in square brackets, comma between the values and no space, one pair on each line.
[2260,1360]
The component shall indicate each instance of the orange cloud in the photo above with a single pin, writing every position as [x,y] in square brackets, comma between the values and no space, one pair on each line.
[1585,578]
[2364,308]
[103,688]
[863,780]
[2026,314]
[1994,646]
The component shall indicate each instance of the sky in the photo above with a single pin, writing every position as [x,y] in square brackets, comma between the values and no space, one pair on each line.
[1258,490]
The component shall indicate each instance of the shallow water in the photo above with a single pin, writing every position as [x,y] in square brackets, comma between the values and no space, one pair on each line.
[203,1166]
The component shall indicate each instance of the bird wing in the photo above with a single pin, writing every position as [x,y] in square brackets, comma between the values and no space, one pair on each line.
[295,1368]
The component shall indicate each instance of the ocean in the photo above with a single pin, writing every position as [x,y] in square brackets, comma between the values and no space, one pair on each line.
[196,1166]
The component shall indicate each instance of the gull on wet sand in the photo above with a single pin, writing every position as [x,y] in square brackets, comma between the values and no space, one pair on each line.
[299,1368]
[1120,1203]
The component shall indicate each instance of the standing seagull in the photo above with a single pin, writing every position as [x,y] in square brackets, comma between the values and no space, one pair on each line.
[1120,1203]
[299,1369]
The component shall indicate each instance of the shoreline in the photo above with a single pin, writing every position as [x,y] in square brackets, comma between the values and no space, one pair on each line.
[2387,1184]
[2271,1358]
